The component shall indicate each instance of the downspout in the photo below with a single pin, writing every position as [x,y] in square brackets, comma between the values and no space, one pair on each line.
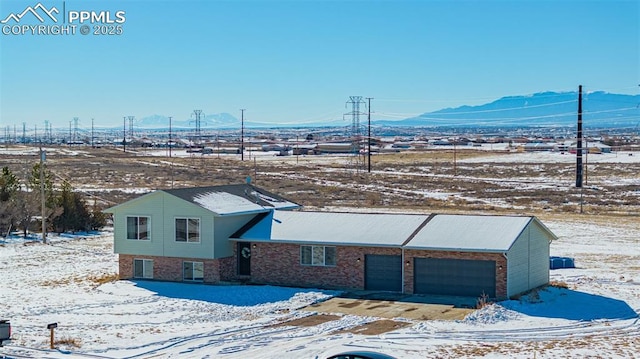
[403,269]
[506,270]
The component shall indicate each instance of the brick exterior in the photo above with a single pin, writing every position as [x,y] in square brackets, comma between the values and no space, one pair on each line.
[501,266]
[170,268]
[279,264]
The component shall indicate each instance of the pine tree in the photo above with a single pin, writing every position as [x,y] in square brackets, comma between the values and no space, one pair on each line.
[9,184]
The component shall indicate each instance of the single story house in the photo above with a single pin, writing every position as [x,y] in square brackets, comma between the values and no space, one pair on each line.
[243,233]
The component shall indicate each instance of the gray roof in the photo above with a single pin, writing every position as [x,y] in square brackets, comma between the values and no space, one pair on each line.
[410,231]
[470,233]
[360,229]
[233,199]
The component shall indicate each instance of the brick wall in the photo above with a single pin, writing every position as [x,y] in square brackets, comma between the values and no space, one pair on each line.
[170,268]
[279,264]
[501,266]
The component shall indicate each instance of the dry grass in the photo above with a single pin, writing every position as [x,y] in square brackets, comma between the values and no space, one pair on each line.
[93,280]
[69,342]
[405,180]
[558,284]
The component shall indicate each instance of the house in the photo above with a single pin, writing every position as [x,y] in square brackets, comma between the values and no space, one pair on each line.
[182,234]
[462,255]
[243,233]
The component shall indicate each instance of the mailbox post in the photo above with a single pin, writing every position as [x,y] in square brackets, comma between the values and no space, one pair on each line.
[51,327]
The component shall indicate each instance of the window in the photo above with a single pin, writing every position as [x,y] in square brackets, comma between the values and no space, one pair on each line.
[187,229]
[143,268]
[318,256]
[138,228]
[193,271]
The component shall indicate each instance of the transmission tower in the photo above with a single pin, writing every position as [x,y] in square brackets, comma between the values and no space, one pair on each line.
[75,129]
[131,120]
[198,117]
[355,134]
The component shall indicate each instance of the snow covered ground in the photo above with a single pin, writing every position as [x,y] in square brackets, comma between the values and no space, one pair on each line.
[69,282]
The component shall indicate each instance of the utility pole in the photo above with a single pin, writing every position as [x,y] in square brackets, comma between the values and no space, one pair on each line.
[44,204]
[92,133]
[124,135]
[369,135]
[579,141]
[242,134]
[169,137]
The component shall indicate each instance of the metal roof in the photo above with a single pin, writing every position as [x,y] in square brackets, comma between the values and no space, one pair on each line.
[233,199]
[366,229]
[469,232]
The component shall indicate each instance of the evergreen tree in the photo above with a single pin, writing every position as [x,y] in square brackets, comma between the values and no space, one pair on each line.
[75,215]
[9,184]
[98,218]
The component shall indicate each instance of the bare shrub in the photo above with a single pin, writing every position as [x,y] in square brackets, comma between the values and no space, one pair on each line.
[483,301]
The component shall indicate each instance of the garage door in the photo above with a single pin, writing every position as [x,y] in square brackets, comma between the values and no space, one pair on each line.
[469,278]
[383,273]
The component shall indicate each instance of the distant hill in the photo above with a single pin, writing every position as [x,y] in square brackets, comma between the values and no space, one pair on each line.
[599,109]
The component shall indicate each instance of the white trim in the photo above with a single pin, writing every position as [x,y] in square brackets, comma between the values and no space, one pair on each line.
[144,267]
[126,227]
[175,239]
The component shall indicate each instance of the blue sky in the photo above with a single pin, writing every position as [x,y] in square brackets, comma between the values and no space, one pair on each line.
[299,61]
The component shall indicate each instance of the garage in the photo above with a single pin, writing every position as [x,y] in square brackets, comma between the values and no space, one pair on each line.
[383,272]
[461,277]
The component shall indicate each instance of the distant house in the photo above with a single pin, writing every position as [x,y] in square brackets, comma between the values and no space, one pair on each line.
[243,233]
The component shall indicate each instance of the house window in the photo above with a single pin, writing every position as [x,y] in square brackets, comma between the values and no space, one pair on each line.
[138,228]
[317,256]
[192,271]
[143,268]
[187,229]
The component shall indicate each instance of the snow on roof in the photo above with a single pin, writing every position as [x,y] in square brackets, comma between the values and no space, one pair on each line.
[225,203]
[466,233]
[233,199]
[345,228]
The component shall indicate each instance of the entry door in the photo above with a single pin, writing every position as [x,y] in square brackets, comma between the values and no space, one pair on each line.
[244,258]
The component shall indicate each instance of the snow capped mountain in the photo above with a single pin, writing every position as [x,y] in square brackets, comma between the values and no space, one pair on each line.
[217,120]
[540,109]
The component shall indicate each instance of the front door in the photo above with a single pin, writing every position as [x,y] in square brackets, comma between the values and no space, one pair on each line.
[244,258]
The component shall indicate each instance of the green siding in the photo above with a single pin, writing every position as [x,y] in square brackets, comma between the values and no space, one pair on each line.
[163,209]
[225,226]
[178,208]
[528,260]
[150,205]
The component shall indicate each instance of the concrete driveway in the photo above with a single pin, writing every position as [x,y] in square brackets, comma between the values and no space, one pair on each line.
[393,305]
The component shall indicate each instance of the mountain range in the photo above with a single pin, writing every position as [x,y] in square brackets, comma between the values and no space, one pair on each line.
[599,109]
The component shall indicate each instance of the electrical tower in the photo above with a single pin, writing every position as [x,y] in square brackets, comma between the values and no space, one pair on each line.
[75,129]
[131,120]
[355,136]
[198,118]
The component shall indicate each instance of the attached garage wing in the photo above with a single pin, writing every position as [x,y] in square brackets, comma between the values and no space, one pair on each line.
[383,272]
[462,277]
